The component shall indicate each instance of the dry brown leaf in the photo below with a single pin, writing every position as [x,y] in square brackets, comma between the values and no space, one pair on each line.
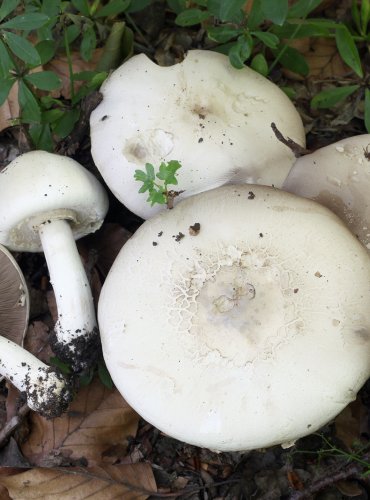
[98,419]
[37,341]
[131,482]
[322,57]
[60,66]
[351,423]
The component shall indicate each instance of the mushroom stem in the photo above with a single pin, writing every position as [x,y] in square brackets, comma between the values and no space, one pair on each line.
[76,327]
[47,391]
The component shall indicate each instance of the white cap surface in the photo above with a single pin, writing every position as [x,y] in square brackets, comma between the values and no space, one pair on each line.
[40,185]
[249,330]
[338,177]
[213,118]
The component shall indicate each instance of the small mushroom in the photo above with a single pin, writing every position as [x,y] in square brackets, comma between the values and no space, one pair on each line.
[213,118]
[253,333]
[47,391]
[338,177]
[46,202]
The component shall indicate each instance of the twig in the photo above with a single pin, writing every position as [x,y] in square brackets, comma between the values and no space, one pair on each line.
[296,148]
[352,470]
[12,425]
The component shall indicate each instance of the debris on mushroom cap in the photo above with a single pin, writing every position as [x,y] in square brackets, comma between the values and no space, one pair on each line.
[14,299]
[338,177]
[253,333]
[213,118]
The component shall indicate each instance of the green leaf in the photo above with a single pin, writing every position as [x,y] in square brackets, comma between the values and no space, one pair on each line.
[355,11]
[259,64]
[329,97]
[113,8]
[305,29]
[5,85]
[240,51]
[104,375]
[289,91]
[168,171]
[51,115]
[6,64]
[63,367]
[293,60]
[365,16]
[41,136]
[367,110]
[222,34]
[150,171]
[177,5]
[230,10]
[44,80]
[30,109]
[137,5]
[275,10]
[157,197]
[7,6]
[72,32]
[348,50]
[82,6]
[256,16]
[302,8]
[191,16]
[88,43]
[22,48]
[66,123]
[30,21]
[268,39]
[46,50]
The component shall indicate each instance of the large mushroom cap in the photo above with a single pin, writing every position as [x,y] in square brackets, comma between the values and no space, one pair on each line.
[213,118]
[239,319]
[14,299]
[338,176]
[39,184]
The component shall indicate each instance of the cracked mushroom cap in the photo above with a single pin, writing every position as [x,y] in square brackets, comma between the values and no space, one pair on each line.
[239,319]
[14,299]
[38,186]
[338,177]
[213,118]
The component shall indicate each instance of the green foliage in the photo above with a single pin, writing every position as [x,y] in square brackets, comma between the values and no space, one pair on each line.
[33,32]
[158,193]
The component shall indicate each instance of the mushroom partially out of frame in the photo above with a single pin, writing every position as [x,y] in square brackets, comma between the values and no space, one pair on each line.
[47,391]
[46,202]
[243,321]
[338,176]
[202,112]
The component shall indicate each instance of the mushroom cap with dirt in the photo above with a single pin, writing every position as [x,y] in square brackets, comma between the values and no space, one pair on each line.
[212,118]
[46,202]
[338,177]
[239,319]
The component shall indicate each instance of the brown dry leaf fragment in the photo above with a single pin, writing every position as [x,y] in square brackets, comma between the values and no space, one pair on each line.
[131,482]
[37,341]
[349,488]
[59,65]
[351,423]
[97,419]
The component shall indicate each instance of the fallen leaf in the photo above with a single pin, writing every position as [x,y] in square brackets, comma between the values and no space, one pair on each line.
[351,423]
[131,482]
[10,109]
[97,419]
[37,341]
[60,66]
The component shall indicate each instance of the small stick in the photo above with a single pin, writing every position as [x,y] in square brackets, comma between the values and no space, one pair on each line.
[296,148]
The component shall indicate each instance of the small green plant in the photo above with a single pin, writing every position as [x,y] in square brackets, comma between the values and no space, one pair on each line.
[159,192]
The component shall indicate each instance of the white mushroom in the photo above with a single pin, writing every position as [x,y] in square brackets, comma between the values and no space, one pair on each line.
[46,202]
[47,391]
[338,176]
[213,118]
[239,319]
